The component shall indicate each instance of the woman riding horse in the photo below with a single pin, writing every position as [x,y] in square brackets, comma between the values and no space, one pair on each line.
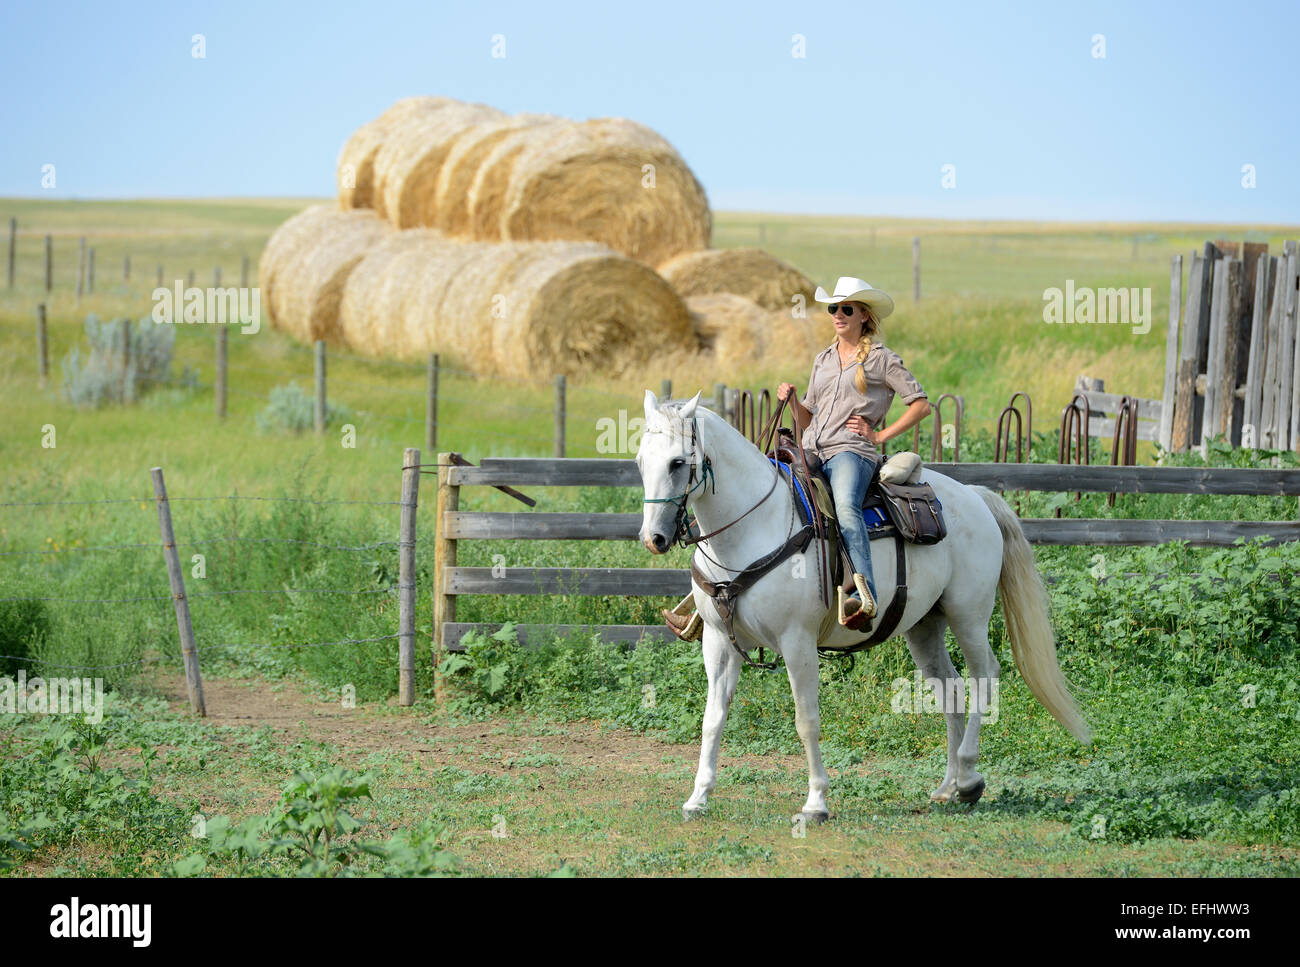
[850,389]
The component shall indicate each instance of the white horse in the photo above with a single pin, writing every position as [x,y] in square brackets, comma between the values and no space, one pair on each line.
[690,456]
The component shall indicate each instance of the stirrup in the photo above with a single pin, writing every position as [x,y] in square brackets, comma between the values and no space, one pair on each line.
[851,613]
[868,602]
[686,628]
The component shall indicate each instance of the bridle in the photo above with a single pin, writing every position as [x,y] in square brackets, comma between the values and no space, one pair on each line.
[682,523]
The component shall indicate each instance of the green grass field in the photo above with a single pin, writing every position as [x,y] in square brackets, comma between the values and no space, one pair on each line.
[558,742]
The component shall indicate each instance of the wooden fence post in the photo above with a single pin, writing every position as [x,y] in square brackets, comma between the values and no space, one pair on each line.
[243,271]
[1290,329]
[42,345]
[1171,351]
[216,276]
[1214,360]
[431,407]
[189,279]
[559,414]
[128,385]
[444,558]
[49,264]
[90,270]
[193,680]
[1233,302]
[13,248]
[720,399]
[916,269]
[159,284]
[666,389]
[406,577]
[81,267]
[1185,393]
[1258,341]
[223,352]
[320,385]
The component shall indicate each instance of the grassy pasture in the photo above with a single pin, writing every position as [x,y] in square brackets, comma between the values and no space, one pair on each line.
[1191,778]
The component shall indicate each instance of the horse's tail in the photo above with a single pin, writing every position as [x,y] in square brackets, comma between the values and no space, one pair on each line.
[1024,608]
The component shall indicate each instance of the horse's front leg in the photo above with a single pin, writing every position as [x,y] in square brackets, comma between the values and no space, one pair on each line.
[801,665]
[722,665]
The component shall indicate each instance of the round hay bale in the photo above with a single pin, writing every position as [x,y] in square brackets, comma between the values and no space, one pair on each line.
[356,167]
[461,167]
[751,272]
[306,263]
[487,194]
[284,242]
[733,329]
[579,308]
[792,342]
[409,161]
[589,181]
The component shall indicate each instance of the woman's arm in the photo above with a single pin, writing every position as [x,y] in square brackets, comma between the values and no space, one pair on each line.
[916,411]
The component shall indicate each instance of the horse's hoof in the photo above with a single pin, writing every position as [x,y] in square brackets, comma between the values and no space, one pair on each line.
[690,813]
[945,793]
[816,818]
[972,794]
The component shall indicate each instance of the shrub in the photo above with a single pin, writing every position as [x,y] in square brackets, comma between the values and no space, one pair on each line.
[292,410]
[21,623]
[107,376]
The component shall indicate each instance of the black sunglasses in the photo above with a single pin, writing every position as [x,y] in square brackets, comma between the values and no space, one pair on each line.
[848,310]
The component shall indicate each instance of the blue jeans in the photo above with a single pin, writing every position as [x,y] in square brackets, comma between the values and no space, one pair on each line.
[849,474]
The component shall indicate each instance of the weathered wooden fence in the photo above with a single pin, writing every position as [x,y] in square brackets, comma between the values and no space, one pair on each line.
[454,525]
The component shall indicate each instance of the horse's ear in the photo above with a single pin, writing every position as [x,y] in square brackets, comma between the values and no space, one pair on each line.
[688,409]
[651,404]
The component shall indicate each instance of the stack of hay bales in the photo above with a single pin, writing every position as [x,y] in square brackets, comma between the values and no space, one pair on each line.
[525,246]
[518,309]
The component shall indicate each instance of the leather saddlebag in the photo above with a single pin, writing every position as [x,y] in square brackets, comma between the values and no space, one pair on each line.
[915,510]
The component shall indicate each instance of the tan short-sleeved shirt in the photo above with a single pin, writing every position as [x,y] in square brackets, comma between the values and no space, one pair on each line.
[833,398]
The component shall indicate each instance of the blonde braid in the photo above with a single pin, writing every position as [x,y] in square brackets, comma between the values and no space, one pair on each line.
[870,327]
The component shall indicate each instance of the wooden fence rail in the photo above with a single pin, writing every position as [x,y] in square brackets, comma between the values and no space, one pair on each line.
[454,525]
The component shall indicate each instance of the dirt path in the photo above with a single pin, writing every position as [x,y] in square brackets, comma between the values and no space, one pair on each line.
[295,715]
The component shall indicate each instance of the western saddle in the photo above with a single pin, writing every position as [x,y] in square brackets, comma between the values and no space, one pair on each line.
[896,505]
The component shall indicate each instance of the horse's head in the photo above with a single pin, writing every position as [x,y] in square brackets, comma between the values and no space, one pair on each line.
[672,465]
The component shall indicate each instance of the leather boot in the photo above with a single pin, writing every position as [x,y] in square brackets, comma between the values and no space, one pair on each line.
[851,613]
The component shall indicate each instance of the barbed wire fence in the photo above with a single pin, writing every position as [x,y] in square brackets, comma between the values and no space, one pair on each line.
[192,646]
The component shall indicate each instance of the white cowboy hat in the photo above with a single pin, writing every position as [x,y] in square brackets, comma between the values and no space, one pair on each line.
[849,289]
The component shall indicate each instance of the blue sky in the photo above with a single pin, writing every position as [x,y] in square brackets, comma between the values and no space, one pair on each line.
[887,94]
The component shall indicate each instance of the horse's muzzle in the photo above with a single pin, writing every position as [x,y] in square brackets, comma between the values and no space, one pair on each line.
[656,544]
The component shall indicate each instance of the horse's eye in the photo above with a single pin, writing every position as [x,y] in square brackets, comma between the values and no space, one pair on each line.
[676,464]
